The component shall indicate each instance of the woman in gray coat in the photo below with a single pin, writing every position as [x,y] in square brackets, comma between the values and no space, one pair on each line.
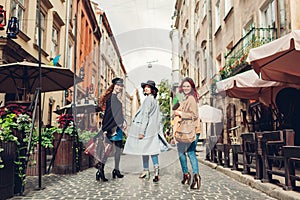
[143,136]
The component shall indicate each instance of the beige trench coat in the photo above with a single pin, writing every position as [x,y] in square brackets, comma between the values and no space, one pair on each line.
[189,109]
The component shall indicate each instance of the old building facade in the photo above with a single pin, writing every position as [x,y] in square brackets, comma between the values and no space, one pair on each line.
[74,35]
[214,40]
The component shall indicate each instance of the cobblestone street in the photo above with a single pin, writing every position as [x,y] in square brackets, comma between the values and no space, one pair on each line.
[215,185]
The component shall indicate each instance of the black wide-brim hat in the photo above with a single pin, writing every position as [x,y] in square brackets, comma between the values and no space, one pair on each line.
[118,81]
[150,83]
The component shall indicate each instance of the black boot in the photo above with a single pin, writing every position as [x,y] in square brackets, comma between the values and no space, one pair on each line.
[117,173]
[100,173]
[196,182]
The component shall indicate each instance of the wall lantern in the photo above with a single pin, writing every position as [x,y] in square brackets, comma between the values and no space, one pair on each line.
[12,28]
[2,18]
[81,73]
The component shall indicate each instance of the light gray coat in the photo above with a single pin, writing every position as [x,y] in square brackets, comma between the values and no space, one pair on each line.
[146,121]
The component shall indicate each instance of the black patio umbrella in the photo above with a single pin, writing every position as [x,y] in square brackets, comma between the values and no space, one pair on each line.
[24,76]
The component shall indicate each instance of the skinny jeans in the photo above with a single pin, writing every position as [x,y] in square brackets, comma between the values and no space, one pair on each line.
[190,149]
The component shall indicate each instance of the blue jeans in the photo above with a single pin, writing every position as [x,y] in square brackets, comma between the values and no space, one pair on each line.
[146,161]
[191,151]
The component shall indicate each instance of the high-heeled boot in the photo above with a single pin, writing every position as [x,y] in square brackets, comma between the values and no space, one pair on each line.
[145,175]
[196,182]
[156,174]
[100,173]
[117,173]
[186,178]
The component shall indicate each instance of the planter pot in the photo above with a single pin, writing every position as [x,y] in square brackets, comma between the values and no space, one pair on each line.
[33,164]
[64,157]
[7,173]
[84,159]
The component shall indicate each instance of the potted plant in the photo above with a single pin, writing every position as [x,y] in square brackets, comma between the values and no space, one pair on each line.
[8,142]
[64,138]
[47,142]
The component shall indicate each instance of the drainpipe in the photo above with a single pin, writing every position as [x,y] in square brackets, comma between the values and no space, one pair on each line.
[210,46]
[210,127]
[66,42]
[99,58]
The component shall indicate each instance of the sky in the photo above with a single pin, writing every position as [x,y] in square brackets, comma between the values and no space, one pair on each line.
[141,29]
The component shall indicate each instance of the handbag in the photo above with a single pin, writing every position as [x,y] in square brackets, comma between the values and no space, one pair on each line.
[186,131]
[99,147]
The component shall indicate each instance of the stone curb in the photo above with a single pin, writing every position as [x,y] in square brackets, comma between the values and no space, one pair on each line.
[268,188]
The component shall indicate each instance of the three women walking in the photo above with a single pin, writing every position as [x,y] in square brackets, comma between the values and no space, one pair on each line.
[144,135]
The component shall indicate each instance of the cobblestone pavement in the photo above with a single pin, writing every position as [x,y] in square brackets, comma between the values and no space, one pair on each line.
[215,185]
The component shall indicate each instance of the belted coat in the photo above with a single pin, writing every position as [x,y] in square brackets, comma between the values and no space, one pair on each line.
[189,109]
[147,121]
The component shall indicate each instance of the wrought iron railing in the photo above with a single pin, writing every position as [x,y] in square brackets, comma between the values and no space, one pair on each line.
[235,59]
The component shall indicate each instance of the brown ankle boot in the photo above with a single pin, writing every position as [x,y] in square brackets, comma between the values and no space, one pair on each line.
[186,178]
[196,182]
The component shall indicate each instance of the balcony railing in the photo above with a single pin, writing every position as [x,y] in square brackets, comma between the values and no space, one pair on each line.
[235,59]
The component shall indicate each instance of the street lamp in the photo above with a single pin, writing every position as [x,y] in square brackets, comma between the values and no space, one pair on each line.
[2,18]
[150,63]
[12,28]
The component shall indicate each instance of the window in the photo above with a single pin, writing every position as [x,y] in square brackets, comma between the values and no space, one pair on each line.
[204,8]
[204,65]
[247,41]
[197,70]
[93,81]
[95,52]
[43,29]
[217,15]
[18,10]
[228,6]
[54,42]
[70,57]
[218,65]
[268,16]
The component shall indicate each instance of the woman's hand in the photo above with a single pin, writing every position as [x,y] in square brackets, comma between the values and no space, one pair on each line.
[141,136]
[177,113]
[124,126]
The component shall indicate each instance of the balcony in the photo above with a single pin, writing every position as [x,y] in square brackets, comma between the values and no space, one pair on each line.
[235,59]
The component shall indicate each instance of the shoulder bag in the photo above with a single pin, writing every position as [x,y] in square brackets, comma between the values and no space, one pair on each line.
[186,131]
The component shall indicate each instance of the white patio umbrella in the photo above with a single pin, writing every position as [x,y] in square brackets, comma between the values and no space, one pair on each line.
[210,114]
[279,59]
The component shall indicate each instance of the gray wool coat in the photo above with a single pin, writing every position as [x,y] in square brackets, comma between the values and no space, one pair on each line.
[146,121]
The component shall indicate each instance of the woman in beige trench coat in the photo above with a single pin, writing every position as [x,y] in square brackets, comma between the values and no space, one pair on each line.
[188,108]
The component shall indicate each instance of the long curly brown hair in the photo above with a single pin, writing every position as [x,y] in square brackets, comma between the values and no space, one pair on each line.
[105,96]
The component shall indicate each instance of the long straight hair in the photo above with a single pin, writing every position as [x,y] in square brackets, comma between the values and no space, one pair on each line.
[193,92]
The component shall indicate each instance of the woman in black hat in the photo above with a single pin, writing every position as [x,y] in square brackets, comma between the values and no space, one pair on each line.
[113,124]
[143,136]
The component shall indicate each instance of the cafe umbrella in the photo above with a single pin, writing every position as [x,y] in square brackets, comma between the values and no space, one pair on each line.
[278,60]
[248,85]
[23,77]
